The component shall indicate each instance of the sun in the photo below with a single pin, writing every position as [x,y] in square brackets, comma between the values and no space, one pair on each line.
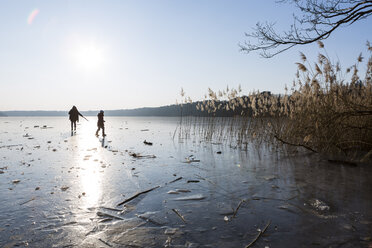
[89,57]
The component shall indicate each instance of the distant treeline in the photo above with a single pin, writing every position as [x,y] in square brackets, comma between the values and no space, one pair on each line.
[186,109]
[171,110]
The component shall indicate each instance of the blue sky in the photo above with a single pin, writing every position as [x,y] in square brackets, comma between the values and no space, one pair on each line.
[127,54]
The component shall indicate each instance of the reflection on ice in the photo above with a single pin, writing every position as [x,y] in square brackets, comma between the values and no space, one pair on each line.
[90,185]
[90,160]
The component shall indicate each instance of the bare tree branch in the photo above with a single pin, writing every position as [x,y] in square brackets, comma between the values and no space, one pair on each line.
[319,19]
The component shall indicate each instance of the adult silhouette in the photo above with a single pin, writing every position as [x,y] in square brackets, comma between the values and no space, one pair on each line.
[74,117]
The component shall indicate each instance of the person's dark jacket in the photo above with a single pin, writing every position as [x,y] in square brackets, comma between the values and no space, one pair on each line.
[74,115]
[100,122]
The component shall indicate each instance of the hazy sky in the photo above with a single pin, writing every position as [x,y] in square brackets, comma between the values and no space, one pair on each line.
[127,54]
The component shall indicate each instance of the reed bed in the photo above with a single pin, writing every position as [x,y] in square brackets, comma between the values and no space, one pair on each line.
[327,110]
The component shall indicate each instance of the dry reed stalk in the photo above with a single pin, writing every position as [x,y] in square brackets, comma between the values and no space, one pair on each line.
[321,112]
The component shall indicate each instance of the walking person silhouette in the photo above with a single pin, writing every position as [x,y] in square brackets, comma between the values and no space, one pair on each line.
[74,117]
[100,123]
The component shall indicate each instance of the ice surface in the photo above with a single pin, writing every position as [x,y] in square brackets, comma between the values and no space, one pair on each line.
[60,189]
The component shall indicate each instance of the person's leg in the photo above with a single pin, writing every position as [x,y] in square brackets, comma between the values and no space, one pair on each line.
[103,131]
[97,131]
[71,125]
[75,125]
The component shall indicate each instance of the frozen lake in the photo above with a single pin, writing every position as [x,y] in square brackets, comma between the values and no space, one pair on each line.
[63,190]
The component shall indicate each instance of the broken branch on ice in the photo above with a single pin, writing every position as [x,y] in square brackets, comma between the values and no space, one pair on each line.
[236,210]
[175,180]
[136,195]
[259,234]
[179,215]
